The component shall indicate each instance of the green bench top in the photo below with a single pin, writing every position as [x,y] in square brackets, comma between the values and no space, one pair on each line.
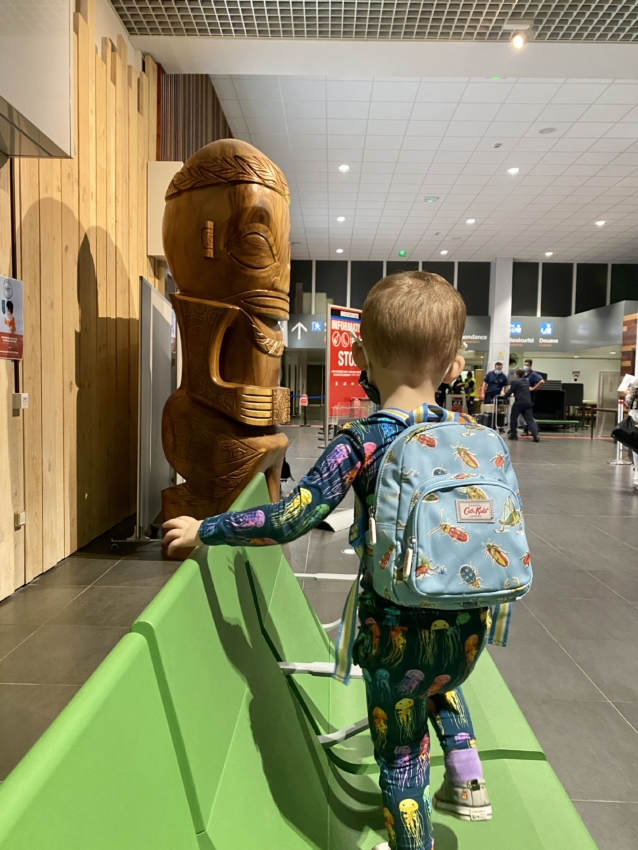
[104,776]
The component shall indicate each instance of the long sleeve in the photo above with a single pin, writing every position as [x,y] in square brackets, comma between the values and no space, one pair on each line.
[317,494]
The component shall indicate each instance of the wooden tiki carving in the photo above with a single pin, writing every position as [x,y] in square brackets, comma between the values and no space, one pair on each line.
[226,229]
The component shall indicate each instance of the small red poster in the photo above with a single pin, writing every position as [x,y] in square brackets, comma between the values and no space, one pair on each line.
[11,321]
[342,375]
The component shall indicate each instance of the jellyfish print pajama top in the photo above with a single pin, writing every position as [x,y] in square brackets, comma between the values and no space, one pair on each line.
[413,659]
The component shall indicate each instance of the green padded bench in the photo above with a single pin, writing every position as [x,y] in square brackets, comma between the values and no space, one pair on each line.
[104,776]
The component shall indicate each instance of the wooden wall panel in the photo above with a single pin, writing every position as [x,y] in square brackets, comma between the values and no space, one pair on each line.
[79,227]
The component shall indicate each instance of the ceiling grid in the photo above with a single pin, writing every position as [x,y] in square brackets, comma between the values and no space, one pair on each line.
[451,140]
[431,20]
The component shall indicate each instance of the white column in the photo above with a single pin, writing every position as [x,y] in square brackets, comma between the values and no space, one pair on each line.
[500,311]
[348,282]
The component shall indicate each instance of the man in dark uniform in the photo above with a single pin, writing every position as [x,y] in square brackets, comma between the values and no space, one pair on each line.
[494,382]
[522,406]
[535,381]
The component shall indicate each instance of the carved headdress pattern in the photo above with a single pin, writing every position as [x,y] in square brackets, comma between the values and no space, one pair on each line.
[233,168]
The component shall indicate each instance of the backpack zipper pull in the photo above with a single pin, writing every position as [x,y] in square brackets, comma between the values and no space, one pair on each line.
[372,527]
[407,562]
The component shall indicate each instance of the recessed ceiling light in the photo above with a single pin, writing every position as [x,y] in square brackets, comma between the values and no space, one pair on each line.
[518,40]
[339,250]
[549,253]
[545,131]
[513,170]
[344,168]
[576,357]
[444,252]
[612,352]
[471,221]
[341,218]
[431,200]
[600,223]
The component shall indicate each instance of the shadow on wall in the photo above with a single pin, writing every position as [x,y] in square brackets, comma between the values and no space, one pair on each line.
[81,372]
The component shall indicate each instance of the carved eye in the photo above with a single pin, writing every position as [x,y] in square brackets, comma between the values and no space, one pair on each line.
[251,246]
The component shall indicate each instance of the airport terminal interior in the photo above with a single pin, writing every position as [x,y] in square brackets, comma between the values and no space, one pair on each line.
[196,199]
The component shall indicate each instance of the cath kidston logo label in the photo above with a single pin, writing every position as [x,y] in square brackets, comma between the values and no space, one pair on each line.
[475,510]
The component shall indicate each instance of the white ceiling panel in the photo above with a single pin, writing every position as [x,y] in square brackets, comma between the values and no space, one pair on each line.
[573,142]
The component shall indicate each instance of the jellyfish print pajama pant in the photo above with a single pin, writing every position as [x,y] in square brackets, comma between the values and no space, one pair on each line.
[413,661]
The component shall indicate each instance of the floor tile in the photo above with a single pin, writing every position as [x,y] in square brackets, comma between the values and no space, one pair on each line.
[567,584]
[572,732]
[613,826]
[145,573]
[629,711]
[585,619]
[623,581]
[26,711]
[76,570]
[326,599]
[33,605]
[59,655]
[106,606]
[611,664]
[12,636]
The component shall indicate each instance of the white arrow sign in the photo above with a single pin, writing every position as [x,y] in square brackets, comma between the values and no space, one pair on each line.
[299,327]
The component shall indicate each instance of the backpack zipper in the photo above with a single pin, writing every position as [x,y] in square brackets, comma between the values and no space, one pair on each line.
[409,554]
[372,526]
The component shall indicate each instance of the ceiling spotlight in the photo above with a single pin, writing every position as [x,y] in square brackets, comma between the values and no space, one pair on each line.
[471,221]
[513,170]
[522,30]
[600,223]
[443,253]
[576,357]
[341,218]
[344,168]
[339,250]
[612,352]
[549,253]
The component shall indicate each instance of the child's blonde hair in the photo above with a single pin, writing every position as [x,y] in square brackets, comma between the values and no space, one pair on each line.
[414,321]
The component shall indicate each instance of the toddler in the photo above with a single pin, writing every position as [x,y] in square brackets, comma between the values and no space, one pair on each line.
[413,659]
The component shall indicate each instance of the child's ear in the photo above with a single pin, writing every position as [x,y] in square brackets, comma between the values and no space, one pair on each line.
[359,357]
[457,366]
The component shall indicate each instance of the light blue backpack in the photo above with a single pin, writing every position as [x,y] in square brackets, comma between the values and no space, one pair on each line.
[446,528]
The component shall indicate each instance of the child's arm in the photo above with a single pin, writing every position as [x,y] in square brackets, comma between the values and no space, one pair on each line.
[317,494]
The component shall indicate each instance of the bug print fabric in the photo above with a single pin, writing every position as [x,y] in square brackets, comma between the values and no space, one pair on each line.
[412,693]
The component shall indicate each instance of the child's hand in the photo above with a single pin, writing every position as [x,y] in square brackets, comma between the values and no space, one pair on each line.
[180,533]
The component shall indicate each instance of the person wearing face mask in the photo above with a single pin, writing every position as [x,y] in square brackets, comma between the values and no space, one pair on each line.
[494,382]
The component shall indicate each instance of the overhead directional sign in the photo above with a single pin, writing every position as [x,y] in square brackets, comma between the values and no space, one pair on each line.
[307,331]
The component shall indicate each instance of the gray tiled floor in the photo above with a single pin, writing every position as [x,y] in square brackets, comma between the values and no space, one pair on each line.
[571,663]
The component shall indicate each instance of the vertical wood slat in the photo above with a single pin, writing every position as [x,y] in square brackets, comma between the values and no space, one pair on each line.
[191,115]
[32,368]
[70,325]
[51,352]
[102,434]
[121,269]
[110,413]
[134,288]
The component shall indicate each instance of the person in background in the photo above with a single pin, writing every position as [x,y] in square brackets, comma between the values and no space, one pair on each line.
[535,381]
[470,392]
[440,394]
[522,406]
[458,387]
[494,383]
[631,403]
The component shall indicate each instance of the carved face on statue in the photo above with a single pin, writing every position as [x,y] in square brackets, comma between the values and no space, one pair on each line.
[226,228]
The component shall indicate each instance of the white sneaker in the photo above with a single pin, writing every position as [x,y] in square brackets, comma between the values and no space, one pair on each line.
[383,846]
[466,801]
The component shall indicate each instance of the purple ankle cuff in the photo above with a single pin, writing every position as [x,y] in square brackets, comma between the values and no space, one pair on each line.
[463,765]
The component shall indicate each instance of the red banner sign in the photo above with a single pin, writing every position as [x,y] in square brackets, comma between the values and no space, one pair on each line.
[342,375]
